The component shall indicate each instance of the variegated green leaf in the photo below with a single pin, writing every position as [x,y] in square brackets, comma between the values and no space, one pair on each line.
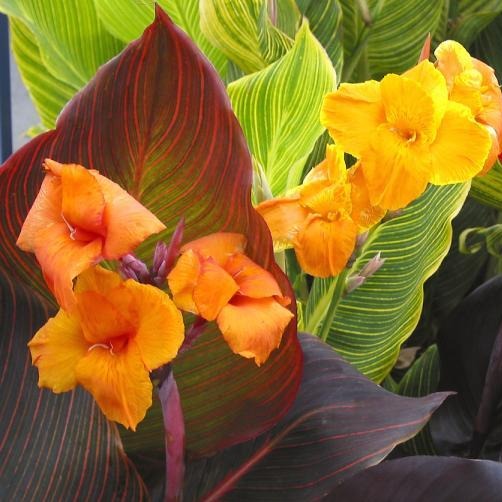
[470,17]
[487,46]
[48,93]
[244,31]
[136,15]
[372,322]
[279,107]
[488,189]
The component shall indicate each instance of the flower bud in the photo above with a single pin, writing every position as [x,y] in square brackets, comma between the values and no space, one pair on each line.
[133,268]
[372,266]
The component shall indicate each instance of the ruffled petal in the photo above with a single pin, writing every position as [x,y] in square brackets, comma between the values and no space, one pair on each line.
[323,247]
[352,113]
[128,223]
[97,279]
[214,289]
[324,200]
[396,171]
[364,214]
[253,327]
[283,216]
[252,280]
[56,349]
[461,147]
[218,246]
[452,59]
[182,280]
[160,331]
[119,383]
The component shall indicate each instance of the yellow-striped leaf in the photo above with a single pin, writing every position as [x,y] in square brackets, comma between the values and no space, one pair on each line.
[244,31]
[279,107]
[488,189]
[372,322]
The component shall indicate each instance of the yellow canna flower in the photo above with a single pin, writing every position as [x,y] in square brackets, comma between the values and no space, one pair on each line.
[322,217]
[406,133]
[215,280]
[79,218]
[473,83]
[117,333]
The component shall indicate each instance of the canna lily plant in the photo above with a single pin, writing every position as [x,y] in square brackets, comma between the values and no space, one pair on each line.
[207,194]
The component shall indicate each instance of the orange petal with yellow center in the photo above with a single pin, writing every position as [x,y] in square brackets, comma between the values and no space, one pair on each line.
[182,280]
[218,246]
[253,327]
[324,247]
[128,222]
[461,147]
[283,216]
[62,259]
[214,289]
[330,199]
[252,280]
[119,383]
[396,171]
[160,331]
[452,59]
[83,203]
[364,214]
[56,349]
[352,113]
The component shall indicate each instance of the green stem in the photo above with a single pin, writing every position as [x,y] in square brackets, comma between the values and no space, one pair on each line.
[333,304]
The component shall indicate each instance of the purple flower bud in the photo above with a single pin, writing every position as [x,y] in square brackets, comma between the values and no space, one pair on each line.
[372,266]
[133,268]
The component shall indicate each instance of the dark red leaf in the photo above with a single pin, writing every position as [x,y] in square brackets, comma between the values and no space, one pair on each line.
[52,446]
[419,479]
[340,424]
[156,120]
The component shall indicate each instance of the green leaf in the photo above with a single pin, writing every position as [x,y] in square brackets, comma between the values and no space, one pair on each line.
[136,15]
[421,379]
[48,93]
[325,18]
[244,32]
[470,17]
[488,189]
[372,322]
[487,46]
[279,108]
[157,121]
[54,446]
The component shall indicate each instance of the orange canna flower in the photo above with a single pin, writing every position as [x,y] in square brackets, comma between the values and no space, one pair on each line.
[79,218]
[322,217]
[117,333]
[214,279]
[473,83]
[406,133]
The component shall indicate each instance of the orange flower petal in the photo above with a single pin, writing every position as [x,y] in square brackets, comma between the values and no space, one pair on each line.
[55,350]
[97,279]
[323,247]
[252,280]
[119,383]
[62,259]
[182,280]
[128,223]
[364,214]
[253,327]
[452,59]
[461,147]
[333,198]
[284,216]
[352,113]
[494,151]
[396,171]
[160,332]
[83,203]
[218,246]
[214,289]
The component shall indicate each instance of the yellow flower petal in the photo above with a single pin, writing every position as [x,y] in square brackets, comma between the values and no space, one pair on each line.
[352,113]
[55,350]
[253,327]
[461,147]
[119,383]
[160,331]
[97,279]
[323,247]
[452,59]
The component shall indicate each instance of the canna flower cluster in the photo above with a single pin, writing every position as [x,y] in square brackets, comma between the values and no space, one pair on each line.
[111,330]
[436,123]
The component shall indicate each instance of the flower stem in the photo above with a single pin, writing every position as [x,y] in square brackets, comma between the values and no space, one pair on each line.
[333,304]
